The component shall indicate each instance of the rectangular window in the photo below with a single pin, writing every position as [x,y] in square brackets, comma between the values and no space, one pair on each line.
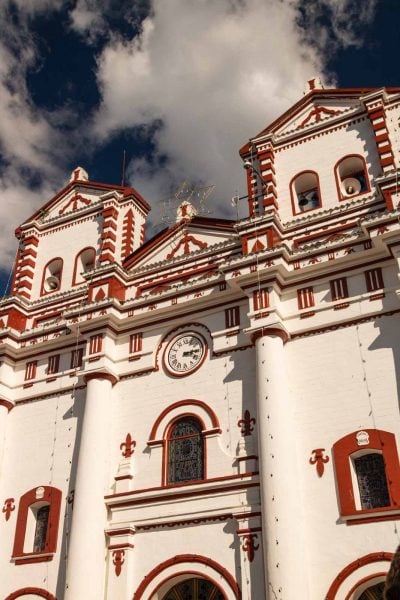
[261,299]
[374,279]
[30,370]
[53,364]
[305,297]
[95,344]
[232,317]
[135,342]
[339,289]
[76,358]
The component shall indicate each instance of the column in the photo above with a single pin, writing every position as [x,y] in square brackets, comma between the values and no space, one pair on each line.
[87,548]
[5,407]
[283,535]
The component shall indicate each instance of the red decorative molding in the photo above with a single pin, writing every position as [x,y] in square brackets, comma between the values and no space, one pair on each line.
[247,424]
[52,496]
[270,331]
[8,507]
[185,241]
[28,591]
[356,587]
[349,569]
[186,558]
[249,546]
[118,560]
[100,375]
[319,459]
[127,234]
[74,202]
[375,439]
[129,446]
[155,435]
[8,405]
[316,112]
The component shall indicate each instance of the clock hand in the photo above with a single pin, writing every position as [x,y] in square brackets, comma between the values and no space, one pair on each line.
[189,352]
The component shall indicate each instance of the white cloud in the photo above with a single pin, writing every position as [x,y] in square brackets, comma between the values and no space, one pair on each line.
[214,73]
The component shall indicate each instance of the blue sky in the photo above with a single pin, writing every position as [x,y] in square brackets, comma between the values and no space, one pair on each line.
[179,85]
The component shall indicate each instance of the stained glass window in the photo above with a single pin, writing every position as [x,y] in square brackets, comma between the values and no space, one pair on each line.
[42,521]
[372,483]
[185,451]
[373,593]
[194,589]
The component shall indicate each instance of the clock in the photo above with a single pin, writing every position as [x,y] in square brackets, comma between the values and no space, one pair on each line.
[185,353]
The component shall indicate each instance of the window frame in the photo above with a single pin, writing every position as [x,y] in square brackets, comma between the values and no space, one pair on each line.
[378,441]
[36,498]
[261,299]
[77,278]
[30,370]
[48,273]
[232,317]
[168,439]
[374,279]
[305,297]
[53,364]
[336,286]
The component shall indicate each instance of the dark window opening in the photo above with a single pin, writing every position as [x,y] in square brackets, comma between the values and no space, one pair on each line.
[185,452]
[372,482]
[42,522]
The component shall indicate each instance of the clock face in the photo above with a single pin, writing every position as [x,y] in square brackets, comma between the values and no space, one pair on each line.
[185,353]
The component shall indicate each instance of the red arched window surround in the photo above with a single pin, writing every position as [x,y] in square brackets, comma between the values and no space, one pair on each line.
[76,277]
[47,273]
[31,591]
[344,449]
[293,194]
[354,566]
[167,445]
[338,180]
[52,497]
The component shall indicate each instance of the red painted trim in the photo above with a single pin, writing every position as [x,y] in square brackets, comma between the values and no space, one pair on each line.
[155,435]
[100,375]
[29,591]
[9,405]
[270,331]
[349,596]
[52,496]
[379,440]
[185,558]
[191,573]
[295,210]
[347,571]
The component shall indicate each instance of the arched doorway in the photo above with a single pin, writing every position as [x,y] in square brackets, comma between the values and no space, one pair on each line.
[375,592]
[194,589]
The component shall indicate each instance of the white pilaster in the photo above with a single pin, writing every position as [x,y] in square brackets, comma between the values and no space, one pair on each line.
[87,554]
[280,502]
[5,407]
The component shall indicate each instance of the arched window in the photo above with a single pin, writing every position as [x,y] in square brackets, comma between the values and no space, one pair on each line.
[351,176]
[374,592]
[368,473]
[305,192]
[194,589]
[85,261]
[185,451]
[52,274]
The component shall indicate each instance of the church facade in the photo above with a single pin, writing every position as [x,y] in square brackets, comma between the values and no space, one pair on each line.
[212,414]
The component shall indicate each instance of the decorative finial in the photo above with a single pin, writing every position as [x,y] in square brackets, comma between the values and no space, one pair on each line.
[79,174]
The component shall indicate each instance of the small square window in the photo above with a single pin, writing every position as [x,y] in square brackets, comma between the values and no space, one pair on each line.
[135,342]
[76,358]
[261,299]
[232,317]
[374,279]
[305,297]
[30,370]
[53,364]
[339,289]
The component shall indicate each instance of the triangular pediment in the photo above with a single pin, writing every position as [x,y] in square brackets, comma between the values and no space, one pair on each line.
[183,241]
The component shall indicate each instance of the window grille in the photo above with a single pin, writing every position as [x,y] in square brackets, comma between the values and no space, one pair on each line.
[305,297]
[339,289]
[136,342]
[194,588]
[96,343]
[232,317]
[261,299]
[53,364]
[76,358]
[372,482]
[374,279]
[185,451]
[42,522]
[30,369]
[374,592]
